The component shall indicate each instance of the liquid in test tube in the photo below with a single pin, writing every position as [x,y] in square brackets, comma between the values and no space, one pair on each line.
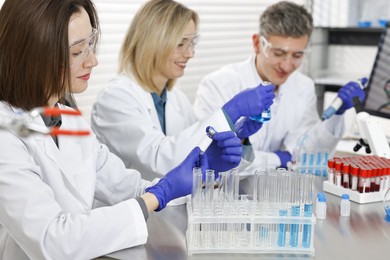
[295,208]
[285,191]
[308,208]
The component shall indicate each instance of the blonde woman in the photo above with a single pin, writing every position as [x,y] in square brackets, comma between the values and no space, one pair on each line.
[142,118]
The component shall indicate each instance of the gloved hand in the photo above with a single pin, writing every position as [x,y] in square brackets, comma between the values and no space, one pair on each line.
[178,182]
[246,127]
[347,93]
[284,157]
[250,102]
[224,153]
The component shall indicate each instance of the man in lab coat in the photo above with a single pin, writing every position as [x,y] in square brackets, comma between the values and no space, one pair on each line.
[280,47]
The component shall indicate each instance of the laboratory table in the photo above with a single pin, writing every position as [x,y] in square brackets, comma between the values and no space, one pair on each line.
[364,235]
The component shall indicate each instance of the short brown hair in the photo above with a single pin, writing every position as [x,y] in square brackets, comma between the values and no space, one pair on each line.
[34,49]
[286,19]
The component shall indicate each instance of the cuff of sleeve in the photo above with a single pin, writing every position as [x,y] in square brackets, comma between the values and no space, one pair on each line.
[144,209]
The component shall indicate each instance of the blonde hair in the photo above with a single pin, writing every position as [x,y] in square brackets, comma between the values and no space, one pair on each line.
[155,31]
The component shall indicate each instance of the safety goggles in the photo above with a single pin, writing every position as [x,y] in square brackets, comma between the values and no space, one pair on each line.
[80,51]
[187,42]
[278,54]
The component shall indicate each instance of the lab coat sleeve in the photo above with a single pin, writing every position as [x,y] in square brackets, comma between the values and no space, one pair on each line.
[32,217]
[123,122]
[111,187]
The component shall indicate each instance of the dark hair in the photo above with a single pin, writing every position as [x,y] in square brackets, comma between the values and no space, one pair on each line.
[286,19]
[34,49]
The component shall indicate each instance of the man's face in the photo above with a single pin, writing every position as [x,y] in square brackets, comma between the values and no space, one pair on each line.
[278,56]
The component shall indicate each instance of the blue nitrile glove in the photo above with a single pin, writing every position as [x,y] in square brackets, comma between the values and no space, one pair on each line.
[224,153]
[250,102]
[347,93]
[246,127]
[284,157]
[178,182]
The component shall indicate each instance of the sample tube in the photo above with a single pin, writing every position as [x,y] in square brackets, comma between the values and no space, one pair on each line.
[209,190]
[307,208]
[326,157]
[331,171]
[284,191]
[295,207]
[207,139]
[196,195]
[354,176]
[337,173]
[345,175]
[266,114]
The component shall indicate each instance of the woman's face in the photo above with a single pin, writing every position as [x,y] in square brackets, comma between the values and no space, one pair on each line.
[179,57]
[82,47]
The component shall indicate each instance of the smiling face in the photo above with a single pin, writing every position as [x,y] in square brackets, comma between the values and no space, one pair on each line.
[81,51]
[177,61]
[278,56]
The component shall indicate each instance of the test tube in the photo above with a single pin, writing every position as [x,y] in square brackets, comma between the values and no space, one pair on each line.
[285,192]
[325,160]
[209,190]
[354,176]
[196,195]
[235,182]
[318,163]
[346,175]
[311,162]
[295,207]
[307,208]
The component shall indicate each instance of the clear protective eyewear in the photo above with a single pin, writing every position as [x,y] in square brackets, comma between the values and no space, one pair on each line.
[276,54]
[187,42]
[80,51]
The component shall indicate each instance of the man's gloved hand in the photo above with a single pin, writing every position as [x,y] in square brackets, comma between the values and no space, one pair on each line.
[246,127]
[224,153]
[347,93]
[284,157]
[250,102]
[178,182]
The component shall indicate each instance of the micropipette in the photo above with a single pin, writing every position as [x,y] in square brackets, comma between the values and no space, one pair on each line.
[337,102]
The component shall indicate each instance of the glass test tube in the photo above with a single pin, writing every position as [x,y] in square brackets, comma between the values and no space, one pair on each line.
[209,190]
[295,207]
[196,195]
[308,208]
[326,158]
[284,191]
[318,163]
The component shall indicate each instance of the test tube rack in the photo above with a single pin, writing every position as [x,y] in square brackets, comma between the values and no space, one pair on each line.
[355,196]
[245,230]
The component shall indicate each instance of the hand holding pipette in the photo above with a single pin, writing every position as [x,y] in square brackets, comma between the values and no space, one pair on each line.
[344,99]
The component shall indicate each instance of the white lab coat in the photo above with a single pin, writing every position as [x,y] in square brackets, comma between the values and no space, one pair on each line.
[46,196]
[294,111]
[124,117]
